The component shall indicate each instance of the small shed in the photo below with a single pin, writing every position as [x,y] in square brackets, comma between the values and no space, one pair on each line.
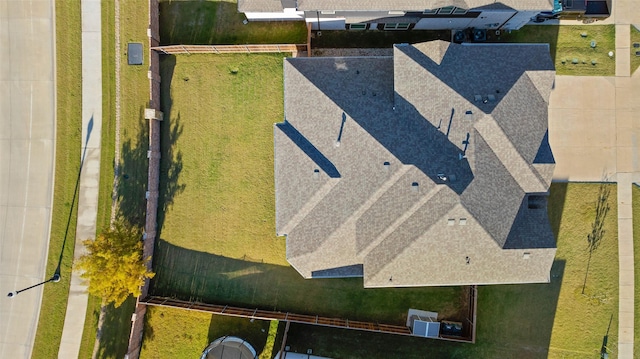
[229,347]
[423,323]
[134,53]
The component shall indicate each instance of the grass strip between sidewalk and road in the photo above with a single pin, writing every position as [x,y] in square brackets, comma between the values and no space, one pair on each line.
[67,164]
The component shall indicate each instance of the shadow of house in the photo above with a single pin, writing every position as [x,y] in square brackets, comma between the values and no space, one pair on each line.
[209,278]
[440,160]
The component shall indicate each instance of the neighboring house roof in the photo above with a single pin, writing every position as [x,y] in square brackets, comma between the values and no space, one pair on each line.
[386,5]
[390,168]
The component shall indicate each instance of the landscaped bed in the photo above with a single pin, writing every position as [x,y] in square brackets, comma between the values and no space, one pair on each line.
[570,46]
[218,242]
[521,321]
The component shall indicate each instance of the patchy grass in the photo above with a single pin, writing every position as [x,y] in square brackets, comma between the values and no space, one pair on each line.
[64,211]
[178,333]
[636,255]
[218,240]
[566,43]
[525,321]
[219,22]
[635,39]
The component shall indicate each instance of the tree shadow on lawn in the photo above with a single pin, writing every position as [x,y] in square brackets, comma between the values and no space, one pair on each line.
[114,339]
[209,278]
[514,321]
[134,174]
[170,131]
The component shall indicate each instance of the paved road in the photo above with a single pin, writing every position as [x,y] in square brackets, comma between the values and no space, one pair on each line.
[27,143]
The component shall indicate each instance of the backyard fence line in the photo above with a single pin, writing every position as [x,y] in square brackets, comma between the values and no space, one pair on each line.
[229,49]
[154,116]
[291,317]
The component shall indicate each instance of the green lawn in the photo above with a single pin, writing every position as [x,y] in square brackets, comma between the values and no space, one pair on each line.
[177,333]
[636,255]
[567,43]
[525,321]
[64,211]
[219,22]
[635,39]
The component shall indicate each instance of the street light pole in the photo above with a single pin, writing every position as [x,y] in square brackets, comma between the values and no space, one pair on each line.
[55,279]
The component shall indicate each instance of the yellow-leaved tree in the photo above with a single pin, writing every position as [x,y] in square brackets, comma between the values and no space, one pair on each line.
[114,265]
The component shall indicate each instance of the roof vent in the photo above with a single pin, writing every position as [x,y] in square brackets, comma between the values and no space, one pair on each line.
[387,166]
[414,186]
[463,221]
[442,177]
[451,221]
[468,115]
[477,98]
[316,173]
[526,255]
[491,98]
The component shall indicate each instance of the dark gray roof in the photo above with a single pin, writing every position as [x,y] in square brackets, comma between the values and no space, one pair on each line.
[391,163]
[388,5]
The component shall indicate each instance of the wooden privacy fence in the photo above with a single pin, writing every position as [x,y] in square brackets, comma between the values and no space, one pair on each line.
[228,49]
[290,317]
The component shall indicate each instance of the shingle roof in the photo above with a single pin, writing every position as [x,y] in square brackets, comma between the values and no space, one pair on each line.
[387,5]
[392,164]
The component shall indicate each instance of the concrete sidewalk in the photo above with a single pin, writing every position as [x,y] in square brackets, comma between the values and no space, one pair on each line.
[27,152]
[90,173]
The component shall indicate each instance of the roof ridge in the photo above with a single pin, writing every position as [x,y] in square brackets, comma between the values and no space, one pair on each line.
[508,154]
[309,206]
[403,218]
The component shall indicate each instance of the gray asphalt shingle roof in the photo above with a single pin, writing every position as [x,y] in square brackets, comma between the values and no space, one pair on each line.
[390,163]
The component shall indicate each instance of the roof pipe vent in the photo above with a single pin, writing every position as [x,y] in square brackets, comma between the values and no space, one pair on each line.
[414,187]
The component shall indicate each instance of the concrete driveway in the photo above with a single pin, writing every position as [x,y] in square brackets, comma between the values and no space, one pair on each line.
[27,143]
[592,129]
